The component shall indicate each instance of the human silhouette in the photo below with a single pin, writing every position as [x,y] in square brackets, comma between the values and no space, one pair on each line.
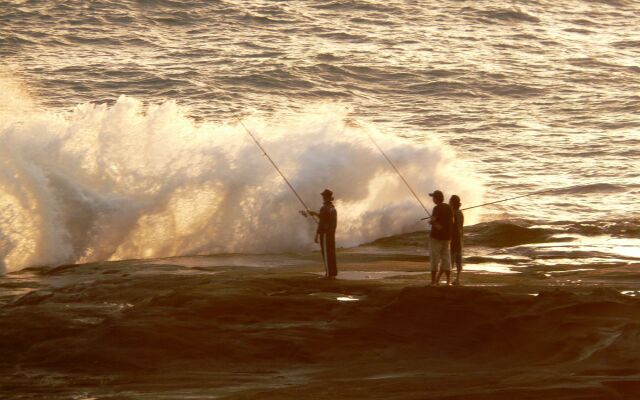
[440,238]
[456,236]
[326,233]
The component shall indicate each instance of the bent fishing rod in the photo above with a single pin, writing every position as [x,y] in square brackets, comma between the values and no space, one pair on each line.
[399,174]
[306,209]
[513,198]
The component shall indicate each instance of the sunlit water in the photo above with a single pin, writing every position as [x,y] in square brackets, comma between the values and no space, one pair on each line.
[526,96]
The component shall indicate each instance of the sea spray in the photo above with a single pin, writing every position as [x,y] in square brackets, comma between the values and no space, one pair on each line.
[127,181]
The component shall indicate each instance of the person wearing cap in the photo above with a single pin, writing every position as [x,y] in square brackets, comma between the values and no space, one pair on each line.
[326,233]
[456,236]
[440,238]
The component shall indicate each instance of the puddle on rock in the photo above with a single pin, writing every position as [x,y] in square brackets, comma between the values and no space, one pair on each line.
[337,296]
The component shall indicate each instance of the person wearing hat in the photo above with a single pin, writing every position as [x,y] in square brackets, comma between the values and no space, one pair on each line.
[456,236]
[326,233]
[440,238]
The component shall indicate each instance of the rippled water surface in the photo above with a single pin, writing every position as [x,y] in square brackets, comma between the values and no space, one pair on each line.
[541,93]
[531,95]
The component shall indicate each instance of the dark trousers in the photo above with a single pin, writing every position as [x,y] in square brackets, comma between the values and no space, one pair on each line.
[328,247]
[456,255]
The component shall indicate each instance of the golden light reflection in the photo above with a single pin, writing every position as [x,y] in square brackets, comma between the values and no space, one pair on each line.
[19,233]
[182,224]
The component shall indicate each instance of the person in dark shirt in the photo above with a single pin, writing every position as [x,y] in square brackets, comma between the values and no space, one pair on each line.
[326,233]
[456,236]
[440,239]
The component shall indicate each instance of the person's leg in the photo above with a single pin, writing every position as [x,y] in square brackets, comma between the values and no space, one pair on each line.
[331,256]
[457,261]
[441,257]
[323,250]
[458,265]
[434,259]
[445,263]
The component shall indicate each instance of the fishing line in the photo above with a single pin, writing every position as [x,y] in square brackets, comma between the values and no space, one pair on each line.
[399,174]
[306,209]
[516,197]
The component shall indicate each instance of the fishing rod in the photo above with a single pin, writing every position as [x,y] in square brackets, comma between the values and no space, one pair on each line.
[512,198]
[399,174]
[306,209]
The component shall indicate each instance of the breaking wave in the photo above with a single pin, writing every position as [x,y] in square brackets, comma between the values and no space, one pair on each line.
[129,180]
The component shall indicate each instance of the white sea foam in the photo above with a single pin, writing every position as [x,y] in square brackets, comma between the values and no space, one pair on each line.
[128,181]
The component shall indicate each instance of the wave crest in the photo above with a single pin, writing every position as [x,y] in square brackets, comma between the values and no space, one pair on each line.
[115,182]
[511,15]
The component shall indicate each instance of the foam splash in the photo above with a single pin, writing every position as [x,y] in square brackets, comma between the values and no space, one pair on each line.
[116,182]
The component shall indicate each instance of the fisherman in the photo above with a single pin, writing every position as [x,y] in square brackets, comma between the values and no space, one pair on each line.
[456,236]
[440,239]
[326,233]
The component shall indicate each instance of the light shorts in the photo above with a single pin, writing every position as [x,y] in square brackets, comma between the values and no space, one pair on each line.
[440,255]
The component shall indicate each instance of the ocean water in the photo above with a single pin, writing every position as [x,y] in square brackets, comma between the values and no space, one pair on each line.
[120,137]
